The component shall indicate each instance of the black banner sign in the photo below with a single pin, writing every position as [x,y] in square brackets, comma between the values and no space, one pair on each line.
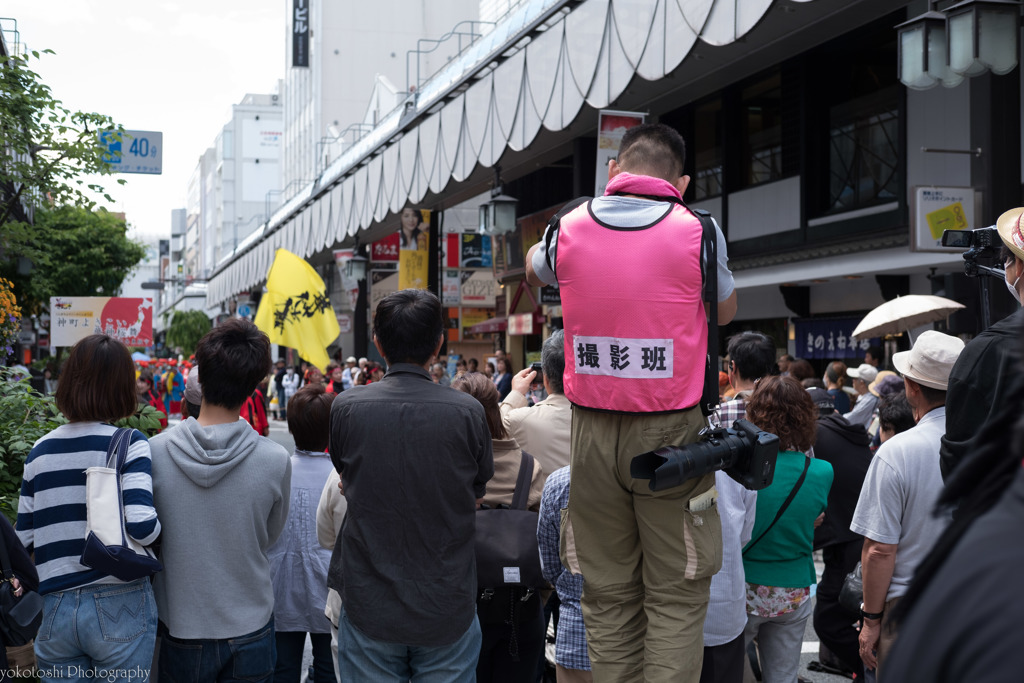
[300,33]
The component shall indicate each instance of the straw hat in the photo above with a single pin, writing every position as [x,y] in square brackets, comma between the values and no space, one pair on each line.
[1009,226]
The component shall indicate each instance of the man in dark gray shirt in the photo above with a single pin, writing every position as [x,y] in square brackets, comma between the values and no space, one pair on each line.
[414,458]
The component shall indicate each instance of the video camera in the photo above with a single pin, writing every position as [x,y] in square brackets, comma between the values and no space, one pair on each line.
[746,453]
[981,243]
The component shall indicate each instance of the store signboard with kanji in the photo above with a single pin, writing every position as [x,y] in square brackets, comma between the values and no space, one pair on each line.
[830,339]
[128,319]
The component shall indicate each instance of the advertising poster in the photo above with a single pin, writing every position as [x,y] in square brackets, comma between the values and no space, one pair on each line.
[349,284]
[611,126]
[452,250]
[73,318]
[385,250]
[454,332]
[414,248]
[473,316]
[382,283]
[937,209]
[450,288]
[478,288]
[476,250]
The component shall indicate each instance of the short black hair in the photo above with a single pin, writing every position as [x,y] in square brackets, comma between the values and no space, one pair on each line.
[753,353]
[408,325]
[895,414]
[233,358]
[552,360]
[653,149]
[876,352]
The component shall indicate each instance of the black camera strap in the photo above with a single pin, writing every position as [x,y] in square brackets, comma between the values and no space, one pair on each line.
[709,272]
[785,504]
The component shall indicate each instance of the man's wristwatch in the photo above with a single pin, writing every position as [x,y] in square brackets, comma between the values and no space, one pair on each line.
[870,615]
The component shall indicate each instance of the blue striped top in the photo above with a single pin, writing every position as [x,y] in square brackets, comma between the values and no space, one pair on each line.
[52,512]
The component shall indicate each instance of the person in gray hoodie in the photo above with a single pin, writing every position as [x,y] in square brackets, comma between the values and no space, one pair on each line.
[222,493]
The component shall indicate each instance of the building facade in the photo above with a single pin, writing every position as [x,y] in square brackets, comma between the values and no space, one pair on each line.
[828,175]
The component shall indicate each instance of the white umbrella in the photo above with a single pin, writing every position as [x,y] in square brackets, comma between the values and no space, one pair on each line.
[905,313]
[140,356]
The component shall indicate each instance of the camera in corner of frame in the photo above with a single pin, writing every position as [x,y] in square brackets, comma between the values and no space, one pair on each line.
[983,243]
[746,453]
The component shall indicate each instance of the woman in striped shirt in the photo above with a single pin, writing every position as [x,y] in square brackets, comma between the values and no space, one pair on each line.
[93,624]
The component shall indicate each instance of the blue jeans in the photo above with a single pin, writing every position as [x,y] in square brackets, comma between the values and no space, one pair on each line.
[364,659]
[248,658]
[97,632]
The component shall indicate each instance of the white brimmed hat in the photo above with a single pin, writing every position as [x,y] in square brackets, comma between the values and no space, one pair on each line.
[931,360]
[866,372]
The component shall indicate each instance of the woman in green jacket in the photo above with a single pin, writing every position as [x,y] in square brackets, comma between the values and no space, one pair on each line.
[777,561]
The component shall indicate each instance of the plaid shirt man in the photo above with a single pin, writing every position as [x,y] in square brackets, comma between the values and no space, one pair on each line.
[733,410]
[571,639]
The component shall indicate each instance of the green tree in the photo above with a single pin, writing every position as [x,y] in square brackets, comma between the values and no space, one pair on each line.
[48,151]
[74,252]
[186,329]
[25,416]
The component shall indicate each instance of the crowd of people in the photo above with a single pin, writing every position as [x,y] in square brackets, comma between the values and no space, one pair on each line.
[366,538]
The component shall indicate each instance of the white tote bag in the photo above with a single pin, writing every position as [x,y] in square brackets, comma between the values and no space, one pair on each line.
[108,548]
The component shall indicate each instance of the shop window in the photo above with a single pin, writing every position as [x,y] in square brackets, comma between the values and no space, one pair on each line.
[864,152]
[761,104]
[707,149]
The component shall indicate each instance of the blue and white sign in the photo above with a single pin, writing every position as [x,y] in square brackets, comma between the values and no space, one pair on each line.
[138,151]
[245,310]
[830,339]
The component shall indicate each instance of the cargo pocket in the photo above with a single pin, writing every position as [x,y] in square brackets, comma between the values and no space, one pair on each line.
[702,537]
[567,543]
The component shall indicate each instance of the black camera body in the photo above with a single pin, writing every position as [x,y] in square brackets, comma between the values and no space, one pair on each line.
[538,368]
[746,453]
[982,238]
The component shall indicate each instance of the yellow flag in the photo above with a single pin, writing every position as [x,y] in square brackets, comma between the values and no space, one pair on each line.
[296,311]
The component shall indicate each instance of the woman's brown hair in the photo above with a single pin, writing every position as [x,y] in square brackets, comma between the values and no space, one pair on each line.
[97,381]
[309,417]
[781,406]
[480,387]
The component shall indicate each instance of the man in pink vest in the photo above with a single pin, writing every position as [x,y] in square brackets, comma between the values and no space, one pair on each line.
[628,266]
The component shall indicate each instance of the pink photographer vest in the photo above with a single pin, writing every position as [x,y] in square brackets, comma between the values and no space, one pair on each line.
[635,327]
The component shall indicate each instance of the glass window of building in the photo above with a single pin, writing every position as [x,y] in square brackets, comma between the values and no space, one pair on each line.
[761,104]
[707,149]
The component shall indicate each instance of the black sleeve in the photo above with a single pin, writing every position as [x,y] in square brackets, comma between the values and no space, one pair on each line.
[21,561]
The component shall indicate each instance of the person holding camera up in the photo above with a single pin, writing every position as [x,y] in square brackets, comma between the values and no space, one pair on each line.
[629,268]
[986,371]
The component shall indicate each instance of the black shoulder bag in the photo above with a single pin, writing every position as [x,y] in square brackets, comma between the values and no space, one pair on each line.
[20,616]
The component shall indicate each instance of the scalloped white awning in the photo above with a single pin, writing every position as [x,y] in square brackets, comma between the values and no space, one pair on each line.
[587,56]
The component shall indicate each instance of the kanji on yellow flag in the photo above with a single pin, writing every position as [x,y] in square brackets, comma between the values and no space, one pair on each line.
[296,311]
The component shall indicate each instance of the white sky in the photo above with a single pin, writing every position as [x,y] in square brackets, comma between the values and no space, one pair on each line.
[174,66]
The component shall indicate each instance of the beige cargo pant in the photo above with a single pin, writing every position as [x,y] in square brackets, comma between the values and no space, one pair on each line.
[646,558]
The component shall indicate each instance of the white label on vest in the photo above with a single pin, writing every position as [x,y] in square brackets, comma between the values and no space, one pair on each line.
[620,357]
[511,574]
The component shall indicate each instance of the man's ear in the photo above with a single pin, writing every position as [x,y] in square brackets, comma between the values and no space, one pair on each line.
[613,169]
[376,344]
[682,184]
